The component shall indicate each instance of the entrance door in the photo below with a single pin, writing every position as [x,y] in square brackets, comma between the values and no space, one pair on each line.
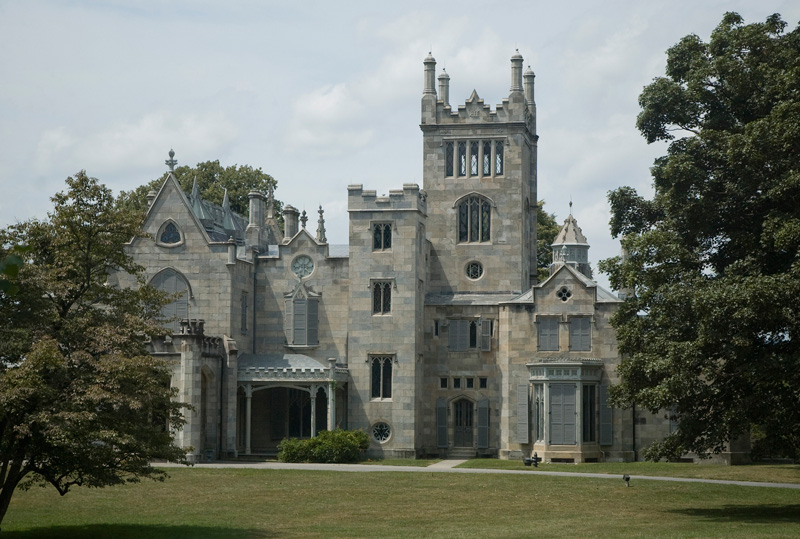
[463,414]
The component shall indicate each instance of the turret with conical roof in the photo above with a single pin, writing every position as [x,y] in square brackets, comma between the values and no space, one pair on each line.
[570,247]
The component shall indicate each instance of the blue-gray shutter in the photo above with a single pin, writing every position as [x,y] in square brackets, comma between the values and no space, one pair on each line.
[523,428]
[459,335]
[556,429]
[606,418]
[441,422]
[313,321]
[486,335]
[562,414]
[548,333]
[300,313]
[483,424]
[288,320]
[580,334]
[570,414]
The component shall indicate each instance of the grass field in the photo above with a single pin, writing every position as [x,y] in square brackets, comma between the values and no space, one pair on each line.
[763,473]
[237,503]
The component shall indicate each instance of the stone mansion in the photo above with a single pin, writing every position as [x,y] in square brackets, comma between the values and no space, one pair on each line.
[427,330]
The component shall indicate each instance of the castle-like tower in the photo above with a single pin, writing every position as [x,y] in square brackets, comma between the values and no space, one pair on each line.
[479,171]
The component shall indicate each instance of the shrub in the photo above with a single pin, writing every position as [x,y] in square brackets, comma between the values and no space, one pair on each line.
[328,446]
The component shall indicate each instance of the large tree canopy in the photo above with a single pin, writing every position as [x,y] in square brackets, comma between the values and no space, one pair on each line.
[712,334]
[212,181]
[81,401]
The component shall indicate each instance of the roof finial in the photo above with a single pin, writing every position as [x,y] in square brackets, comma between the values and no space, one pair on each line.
[171,162]
[570,205]
[304,218]
[321,227]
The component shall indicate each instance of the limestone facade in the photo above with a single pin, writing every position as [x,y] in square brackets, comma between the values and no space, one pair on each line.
[428,329]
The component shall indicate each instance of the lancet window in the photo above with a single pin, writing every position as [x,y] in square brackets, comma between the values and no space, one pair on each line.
[474,220]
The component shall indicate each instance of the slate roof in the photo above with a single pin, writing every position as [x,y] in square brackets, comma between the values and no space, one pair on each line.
[570,234]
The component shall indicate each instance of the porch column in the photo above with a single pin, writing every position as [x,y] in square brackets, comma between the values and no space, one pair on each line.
[314,390]
[248,393]
[331,393]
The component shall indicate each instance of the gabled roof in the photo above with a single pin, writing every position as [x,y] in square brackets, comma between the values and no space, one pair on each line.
[602,295]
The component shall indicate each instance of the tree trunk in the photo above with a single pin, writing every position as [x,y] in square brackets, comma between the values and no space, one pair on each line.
[12,479]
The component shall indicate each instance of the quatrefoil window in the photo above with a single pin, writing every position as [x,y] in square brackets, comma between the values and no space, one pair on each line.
[564,293]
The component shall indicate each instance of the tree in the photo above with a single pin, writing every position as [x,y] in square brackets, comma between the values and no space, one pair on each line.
[546,232]
[712,333]
[81,401]
[212,181]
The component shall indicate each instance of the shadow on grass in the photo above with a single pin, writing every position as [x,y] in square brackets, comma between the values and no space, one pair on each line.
[746,513]
[136,531]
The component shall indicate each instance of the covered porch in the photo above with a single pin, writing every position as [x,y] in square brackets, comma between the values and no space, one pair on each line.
[287,395]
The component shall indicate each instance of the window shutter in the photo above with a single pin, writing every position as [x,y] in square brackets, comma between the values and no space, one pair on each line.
[580,336]
[556,414]
[313,321]
[483,424]
[300,322]
[486,335]
[459,335]
[523,430]
[606,418]
[441,422]
[569,414]
[288,320]
[562,414]
[548,333]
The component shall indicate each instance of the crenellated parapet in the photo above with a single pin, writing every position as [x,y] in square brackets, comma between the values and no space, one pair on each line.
[519,107]
[409,198]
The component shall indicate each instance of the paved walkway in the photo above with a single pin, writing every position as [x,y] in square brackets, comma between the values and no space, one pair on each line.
[448,466]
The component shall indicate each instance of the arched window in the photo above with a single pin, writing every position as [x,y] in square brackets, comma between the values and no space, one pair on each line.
[474,220]
[172,282]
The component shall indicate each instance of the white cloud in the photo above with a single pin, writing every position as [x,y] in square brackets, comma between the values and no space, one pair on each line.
[133,144]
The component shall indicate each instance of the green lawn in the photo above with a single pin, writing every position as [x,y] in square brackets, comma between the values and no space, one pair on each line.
[770,473]
[198,503]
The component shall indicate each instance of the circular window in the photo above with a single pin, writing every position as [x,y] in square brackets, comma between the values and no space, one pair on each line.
[302,266]
[564,293]
[381,432]
[474,270]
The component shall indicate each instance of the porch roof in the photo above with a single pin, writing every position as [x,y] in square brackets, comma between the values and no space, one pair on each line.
[283,367]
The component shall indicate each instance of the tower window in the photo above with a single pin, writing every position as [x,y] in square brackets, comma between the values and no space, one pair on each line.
[498,157]
[448,159]
[382,236]
[474,220]
[381,377]
[462,158]
[487,158]
[381,297]
[473,158]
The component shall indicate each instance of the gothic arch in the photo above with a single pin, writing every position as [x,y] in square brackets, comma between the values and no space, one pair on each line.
[172,281]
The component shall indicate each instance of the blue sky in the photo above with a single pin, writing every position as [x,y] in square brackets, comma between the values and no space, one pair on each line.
[325,94]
